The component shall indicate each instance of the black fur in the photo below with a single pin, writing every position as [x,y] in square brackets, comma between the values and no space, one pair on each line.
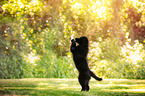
[80,59]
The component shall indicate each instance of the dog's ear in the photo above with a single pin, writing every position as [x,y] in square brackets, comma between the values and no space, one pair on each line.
[79,41]
[84,38]
[84,41]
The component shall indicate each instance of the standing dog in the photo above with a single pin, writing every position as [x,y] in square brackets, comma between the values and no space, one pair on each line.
[80,59]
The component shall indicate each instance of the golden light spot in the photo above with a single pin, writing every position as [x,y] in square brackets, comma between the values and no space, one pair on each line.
[77,6]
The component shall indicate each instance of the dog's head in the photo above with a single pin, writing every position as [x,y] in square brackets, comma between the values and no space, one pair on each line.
[83,41]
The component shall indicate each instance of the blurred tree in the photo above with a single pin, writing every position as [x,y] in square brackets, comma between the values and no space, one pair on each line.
[40,30]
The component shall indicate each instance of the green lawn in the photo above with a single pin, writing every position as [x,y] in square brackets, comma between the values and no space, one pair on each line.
[71,87]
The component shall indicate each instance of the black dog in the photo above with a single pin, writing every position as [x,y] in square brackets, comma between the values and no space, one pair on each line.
[80,59]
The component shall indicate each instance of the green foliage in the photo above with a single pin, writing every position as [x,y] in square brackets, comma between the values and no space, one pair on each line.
[129,64]
[11,62]
[11,67]
[49,66]
[35,37]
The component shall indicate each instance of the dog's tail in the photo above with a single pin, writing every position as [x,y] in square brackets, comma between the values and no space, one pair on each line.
[94,76]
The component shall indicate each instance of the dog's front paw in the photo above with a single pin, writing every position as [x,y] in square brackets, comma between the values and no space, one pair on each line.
[72,40]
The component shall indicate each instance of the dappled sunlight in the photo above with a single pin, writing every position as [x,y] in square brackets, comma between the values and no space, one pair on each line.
[133,53]
[99,8]
[34,2]
[53,85]
[21,4]
[121,85]
[95,51]
[77,6]
[35,38]
[126,90]
[31,58]
[41,84]
[136,3]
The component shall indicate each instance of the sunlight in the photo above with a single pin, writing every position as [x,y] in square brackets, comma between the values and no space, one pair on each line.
[118,87]
[127,85]
[139,90]
[35,2]
[137,4]
[127,90]
[31,58]
[43,84]
[21,4]
[135,56]
[134,2]
[100,8]
[101,11]
[98,3]
[133,53]
[77,6]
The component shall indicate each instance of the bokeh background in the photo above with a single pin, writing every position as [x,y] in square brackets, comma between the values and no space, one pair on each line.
[35,37]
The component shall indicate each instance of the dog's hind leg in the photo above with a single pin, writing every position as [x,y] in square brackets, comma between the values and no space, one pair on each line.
[87,86]
[83,83]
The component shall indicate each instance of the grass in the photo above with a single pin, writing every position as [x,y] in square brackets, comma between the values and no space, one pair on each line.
[71,87]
